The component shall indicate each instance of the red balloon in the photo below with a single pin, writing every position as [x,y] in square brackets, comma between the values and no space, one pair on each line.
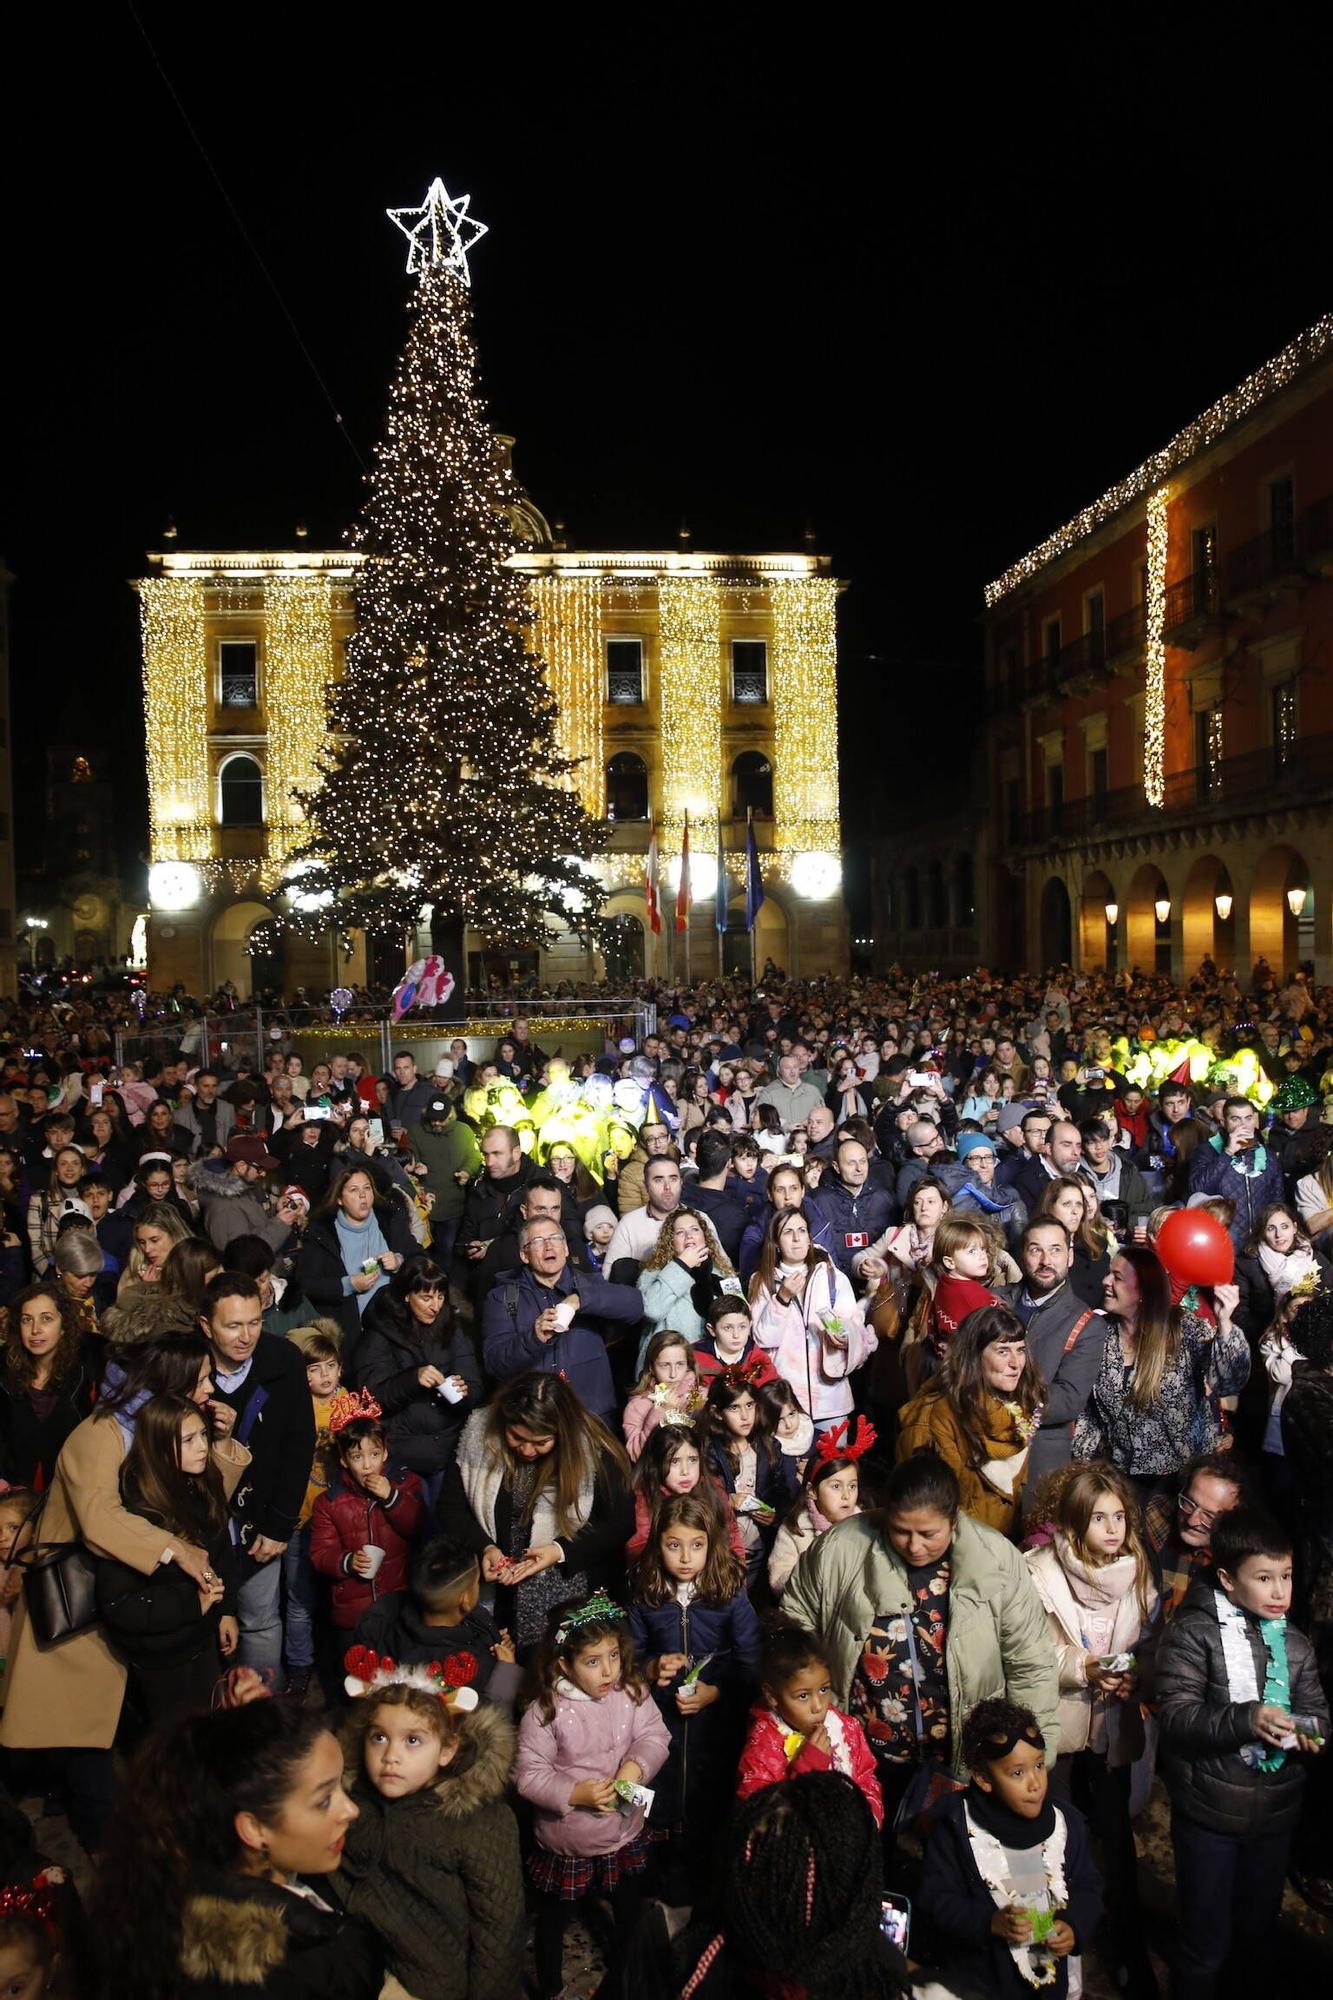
[1195,1248]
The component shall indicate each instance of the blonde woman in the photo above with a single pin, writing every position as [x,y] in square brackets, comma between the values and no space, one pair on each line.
[156,1234]
[686,1251]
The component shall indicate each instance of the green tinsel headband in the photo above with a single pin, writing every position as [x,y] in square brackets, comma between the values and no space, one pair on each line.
[599,1608]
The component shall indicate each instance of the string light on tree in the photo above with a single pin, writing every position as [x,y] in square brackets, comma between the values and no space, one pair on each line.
[443,778]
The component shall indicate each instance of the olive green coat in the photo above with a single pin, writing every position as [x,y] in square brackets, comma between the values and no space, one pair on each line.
[998,1641]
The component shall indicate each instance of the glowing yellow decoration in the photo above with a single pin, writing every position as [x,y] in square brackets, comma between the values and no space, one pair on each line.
[1205,430]
[569,639]
[1154,654]
[298,667]
[689,623]
[175,700]
[1151,1065]
[804,694]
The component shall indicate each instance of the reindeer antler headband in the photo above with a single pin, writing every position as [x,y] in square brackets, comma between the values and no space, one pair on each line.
[839,1442]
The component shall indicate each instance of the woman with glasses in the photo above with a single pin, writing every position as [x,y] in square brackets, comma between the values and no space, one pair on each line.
[420,1367]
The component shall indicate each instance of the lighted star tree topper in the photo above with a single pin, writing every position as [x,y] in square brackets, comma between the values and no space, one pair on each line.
[443,783]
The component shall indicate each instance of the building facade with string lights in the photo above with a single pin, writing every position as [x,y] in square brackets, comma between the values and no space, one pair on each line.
[686,682]
[1159,703]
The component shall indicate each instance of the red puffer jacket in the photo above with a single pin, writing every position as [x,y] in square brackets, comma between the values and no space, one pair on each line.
[764,1760]
[347,1519]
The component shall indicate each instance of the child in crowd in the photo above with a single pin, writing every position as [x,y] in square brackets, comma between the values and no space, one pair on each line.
[728,1340]
[667,1391]
[830,1492]
[441,1613]
[362,1527]
[794,1726]
[599,1226]
[1240,1709]
[960,1264]
[1095,1579]
[33,1962]
[695,1631]
[792,1427]
[321,1347]
[756,1477]
[1008,1885]
[17,1505]
[432,1860]
[749,1181]
[674,1461]
[591,1740]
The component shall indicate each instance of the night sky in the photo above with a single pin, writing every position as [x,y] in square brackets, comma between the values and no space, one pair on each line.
[927,295]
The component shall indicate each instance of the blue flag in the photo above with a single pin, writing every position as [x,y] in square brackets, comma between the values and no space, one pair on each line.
[754,881]
[723,889]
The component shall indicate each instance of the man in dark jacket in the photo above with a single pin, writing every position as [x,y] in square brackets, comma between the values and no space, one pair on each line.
[446,1147]
[536,1318]
[263,1380]
[409,1094]
[857,1213]
[486,1204]
[1235,1164]
[1065,1339]
[1111,1170]
[712,1195]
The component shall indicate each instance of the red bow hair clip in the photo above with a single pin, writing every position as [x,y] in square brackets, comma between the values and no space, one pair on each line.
[839,1443]
[35,1899]
[346,1408]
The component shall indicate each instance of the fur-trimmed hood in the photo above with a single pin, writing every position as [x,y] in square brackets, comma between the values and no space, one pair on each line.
[236,1940]
[244,1936]
[146,1312]
[478,1774]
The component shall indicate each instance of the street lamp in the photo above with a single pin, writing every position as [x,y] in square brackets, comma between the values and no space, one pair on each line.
[1112,912]
[1222,904]
[34,925]
[1295,901]
[1162,908]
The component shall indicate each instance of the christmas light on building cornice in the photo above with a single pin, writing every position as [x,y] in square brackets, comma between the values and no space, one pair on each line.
[1154,653]
[1228,411]
[175,700]
[690,676]
[440,232]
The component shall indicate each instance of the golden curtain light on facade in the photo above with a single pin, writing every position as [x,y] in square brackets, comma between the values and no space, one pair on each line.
[569,639]
[1154,654]
[175,682]
[804,694]
[690,704]
[298,668]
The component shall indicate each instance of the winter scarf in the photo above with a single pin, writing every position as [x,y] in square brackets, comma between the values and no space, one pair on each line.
[1243,1682]
[359,1242]
[995,1836]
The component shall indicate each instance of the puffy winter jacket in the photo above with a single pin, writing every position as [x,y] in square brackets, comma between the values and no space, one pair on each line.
[856,1217]
[347,1519]
[697,1776]
[1212,1171]
[764,1760]
[1203,1730]
[421,1425]
[816,1362]
[752,1242]
[510,1345]
[586,1739]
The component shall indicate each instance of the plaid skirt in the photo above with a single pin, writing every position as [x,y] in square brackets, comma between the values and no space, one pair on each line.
[571,1877]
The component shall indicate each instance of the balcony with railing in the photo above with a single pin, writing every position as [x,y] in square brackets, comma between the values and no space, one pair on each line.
[1301,768]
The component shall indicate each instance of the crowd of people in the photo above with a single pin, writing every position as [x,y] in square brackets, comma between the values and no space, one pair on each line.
[871,1490]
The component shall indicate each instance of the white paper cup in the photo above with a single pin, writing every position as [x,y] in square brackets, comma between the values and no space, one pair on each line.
[376,1554]
[450,1390]
[564,1313]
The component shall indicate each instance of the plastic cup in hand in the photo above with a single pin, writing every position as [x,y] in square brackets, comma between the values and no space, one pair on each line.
[376,1555]
[450,1390]
[564,1313]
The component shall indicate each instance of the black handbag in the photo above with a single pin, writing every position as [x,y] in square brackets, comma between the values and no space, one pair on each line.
[59,1585]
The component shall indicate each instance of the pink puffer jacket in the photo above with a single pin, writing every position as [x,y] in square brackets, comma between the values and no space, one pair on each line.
[586,1739]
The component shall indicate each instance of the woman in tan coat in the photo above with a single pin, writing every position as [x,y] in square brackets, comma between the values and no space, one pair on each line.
[66,1697]
[980,1414]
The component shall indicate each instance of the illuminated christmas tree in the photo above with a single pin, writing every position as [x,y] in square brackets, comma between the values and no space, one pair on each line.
[443,783]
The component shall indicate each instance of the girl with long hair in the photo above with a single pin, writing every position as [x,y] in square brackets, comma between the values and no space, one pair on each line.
[593,1727]
[667,1391]
[48,1383]
[156,1233]
[222,1823]
[757,1477]
[187,1268]
[172,1630]
[980,1414]
[352,1246]
[48,1205]
[1095,1579]
[540,1491]
[674,1462]
[695,1630]
[807,1320]
[1154,1400]
[830,1492]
